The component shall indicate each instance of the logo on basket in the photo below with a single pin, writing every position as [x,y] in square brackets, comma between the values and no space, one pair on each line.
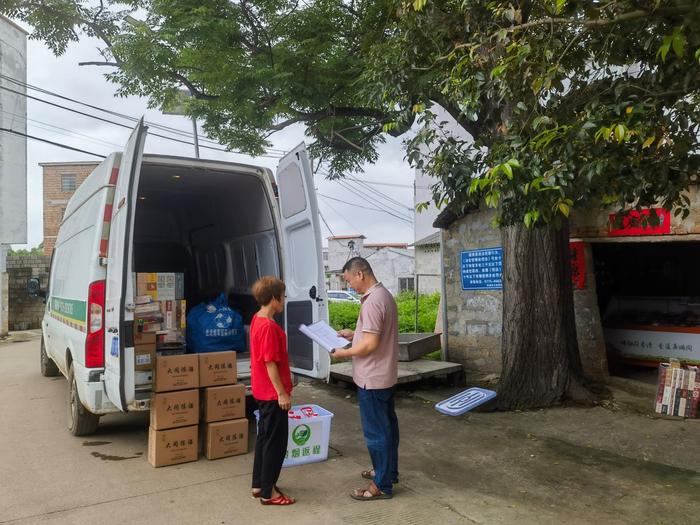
[301,434]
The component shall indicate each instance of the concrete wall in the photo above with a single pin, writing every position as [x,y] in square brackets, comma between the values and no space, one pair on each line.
[389,264]
[13,148]
[55,199]
[427,261]
[26,312]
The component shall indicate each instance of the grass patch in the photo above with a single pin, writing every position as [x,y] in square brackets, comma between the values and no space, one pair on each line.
[344,315]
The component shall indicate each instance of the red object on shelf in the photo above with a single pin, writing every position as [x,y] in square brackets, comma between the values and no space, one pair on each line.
[578,265]
[637,223]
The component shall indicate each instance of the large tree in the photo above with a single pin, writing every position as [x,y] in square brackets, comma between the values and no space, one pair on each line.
[569,105]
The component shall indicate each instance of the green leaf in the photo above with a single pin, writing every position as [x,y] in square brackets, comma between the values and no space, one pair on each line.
[564,208]
[497,71]
[648,142]
[418,5]
[508,170]
[513,163]
[678,42]
[620,132]
[697,54]
[560,6]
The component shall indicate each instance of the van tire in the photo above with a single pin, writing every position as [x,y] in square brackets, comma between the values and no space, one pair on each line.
[48,367]
[81,422]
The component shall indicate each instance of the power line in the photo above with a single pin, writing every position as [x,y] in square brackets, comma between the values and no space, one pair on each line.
[117,114]
[341,216]
[116,123]
[325,222]
[390,199]
[360,206]
[58,144]
[372,200]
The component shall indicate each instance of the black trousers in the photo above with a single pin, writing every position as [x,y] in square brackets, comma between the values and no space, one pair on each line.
[270,446]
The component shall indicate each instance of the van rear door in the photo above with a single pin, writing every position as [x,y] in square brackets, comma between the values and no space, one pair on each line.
[119,299]
[302,268]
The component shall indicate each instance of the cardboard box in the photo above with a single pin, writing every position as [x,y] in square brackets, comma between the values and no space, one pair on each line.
[220,403]
[170,286]
[147,284]
[174,446]
[176,372]
[174,409]
[217,368]
[226,438]
[144,338]
[145,356]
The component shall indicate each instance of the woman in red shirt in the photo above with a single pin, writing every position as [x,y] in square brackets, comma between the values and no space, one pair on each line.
[271,382]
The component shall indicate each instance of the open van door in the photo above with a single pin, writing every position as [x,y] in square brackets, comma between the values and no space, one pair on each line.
[119,296]
[303,270]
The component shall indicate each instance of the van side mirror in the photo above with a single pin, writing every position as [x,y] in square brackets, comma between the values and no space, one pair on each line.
[34,288]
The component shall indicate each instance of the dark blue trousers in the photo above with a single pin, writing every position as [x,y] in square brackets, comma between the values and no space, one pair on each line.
[381,430]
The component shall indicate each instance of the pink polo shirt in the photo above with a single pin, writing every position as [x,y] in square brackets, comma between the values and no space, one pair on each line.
[378,315]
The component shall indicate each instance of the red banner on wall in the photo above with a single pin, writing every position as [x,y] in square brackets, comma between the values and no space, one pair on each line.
[578,265]
[639,223]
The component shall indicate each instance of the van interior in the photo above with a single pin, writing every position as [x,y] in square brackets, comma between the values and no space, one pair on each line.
[213,225]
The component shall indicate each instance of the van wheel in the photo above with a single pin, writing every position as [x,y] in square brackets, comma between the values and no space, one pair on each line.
[48,367]
[80,421]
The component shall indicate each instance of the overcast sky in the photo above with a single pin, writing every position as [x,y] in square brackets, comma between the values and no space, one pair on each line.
[87,84]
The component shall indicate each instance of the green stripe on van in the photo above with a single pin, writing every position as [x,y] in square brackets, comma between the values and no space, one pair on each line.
[70,308]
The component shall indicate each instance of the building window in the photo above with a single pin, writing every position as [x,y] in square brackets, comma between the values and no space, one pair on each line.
[325,256]
[68,182]
[406,284]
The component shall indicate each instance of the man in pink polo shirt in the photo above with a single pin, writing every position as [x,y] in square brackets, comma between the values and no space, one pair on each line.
[375,352]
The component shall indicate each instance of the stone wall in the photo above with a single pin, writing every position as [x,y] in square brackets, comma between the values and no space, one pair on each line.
[26,312]
[474,318]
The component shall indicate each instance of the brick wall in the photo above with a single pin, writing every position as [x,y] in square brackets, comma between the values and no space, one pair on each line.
[25,312]
[55,199]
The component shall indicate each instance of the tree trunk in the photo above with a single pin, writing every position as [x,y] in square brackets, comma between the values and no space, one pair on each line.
[541,362]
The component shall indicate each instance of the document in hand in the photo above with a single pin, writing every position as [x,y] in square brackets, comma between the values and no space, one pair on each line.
[324,335]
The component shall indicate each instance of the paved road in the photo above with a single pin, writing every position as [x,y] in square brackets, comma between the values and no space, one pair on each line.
[567,465]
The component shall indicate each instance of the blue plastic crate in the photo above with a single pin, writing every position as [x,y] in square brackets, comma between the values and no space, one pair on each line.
[464,401]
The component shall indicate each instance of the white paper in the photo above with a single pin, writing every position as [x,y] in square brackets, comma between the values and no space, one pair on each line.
[324,335]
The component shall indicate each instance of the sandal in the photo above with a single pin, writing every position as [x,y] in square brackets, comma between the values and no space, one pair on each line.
[369,474]
[370,493]
[256,493]
[282,499]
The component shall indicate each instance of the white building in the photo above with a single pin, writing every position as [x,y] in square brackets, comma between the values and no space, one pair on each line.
[426,236]
[13,149]
[392,263]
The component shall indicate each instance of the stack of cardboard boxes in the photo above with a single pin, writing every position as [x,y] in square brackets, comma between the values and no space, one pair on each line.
[160,307]
[178,405]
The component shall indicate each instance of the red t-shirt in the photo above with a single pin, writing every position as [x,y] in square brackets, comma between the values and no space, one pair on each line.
[267,343]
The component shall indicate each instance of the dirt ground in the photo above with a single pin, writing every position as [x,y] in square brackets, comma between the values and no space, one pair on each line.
[609,464]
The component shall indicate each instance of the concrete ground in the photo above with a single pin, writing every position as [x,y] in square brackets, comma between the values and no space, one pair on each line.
[613,464]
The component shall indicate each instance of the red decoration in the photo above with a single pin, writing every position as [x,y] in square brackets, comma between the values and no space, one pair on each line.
[638,223]
[578,264]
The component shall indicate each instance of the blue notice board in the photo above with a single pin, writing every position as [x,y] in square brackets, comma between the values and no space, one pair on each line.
[482,269]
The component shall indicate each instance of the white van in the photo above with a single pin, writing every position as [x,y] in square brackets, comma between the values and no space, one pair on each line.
[221,224]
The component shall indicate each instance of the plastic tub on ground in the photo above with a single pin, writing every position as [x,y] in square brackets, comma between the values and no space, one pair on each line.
[309,434]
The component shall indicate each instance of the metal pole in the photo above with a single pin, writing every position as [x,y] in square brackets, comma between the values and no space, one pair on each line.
[417,276]
[196,137]
[4,300]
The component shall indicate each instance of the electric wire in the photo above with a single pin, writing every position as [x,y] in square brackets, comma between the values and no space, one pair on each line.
[170,129]
[372,200]
[58,144]
[390,199]
[119,123]
[354,205]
